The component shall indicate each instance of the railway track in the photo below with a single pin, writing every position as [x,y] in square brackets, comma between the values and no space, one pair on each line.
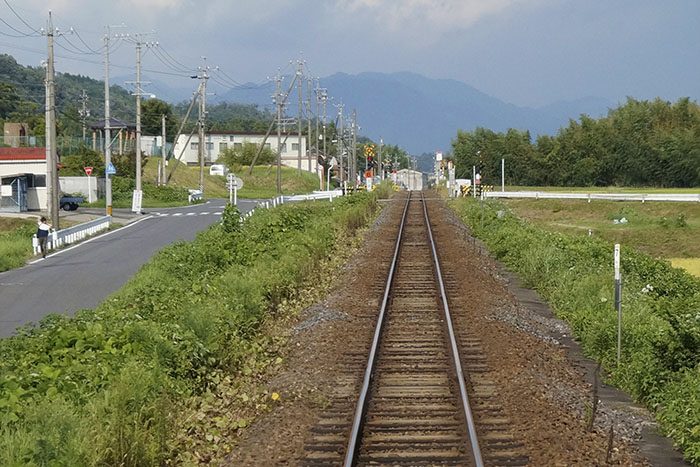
[413,406]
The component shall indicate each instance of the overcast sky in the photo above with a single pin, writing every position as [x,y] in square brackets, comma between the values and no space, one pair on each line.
[526,52]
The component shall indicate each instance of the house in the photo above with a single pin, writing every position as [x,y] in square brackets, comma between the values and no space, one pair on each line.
[23,179]
[216,143]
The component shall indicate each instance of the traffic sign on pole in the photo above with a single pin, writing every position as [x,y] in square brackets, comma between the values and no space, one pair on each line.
[88,171]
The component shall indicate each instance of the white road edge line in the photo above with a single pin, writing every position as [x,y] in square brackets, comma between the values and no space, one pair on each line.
[91,239]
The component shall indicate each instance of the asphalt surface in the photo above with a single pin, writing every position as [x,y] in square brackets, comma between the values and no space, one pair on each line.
[83,275]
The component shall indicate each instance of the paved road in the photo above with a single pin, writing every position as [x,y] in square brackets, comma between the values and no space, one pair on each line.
[82,276]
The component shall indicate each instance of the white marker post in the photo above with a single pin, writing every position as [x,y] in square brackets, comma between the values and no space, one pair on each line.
[618,301]
[232,189]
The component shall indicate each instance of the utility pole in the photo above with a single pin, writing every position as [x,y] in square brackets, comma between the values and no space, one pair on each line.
[163,153]
[84,112]
[138,193]
[108,136]
[354,147]
[300,73]
[279,101]
[324,100]
[381,169]
[309,85]
[339,136]
[107,131]
[203,77]
[51,154]
[318,118]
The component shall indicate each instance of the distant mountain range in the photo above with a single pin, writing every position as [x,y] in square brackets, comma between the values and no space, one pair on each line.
[422,114]
[417,113]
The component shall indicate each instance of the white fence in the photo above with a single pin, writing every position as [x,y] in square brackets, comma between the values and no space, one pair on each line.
[73,234]
[643,197]
[274,202]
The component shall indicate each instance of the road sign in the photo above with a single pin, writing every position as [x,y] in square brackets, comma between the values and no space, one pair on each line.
[110,170]
[88,171]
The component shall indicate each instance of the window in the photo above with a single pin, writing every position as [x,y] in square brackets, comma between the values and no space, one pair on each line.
[295,146]
[210,146]
[283,147]
[237,145]
[267,145]
[223,147]
[36,181]
[194,146]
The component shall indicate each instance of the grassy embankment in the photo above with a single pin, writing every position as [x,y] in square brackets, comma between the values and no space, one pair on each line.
[553,253]
[261,183]
[159,372]
[667,231]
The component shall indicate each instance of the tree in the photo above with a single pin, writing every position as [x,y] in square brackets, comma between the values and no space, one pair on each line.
[235,157]
[9,100]
[152,111]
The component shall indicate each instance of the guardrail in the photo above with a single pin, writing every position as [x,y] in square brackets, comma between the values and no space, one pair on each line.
[73,234]
[274,202]
[643,197]
[329,195]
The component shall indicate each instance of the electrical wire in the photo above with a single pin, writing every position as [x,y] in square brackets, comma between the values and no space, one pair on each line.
[76,50]
[20,33]
[172,59]
[99,51]
[22,19]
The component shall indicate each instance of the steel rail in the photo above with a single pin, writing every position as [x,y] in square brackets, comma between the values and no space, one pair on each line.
[361,407]
[455,351]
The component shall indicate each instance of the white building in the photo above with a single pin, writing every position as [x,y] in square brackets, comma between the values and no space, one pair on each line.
[216,143]
[411,179]
[23,179]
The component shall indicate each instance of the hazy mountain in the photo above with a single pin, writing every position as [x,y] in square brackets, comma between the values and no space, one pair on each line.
[417,113]
[423,114]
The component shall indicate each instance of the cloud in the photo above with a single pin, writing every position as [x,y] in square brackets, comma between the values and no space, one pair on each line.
[437,16]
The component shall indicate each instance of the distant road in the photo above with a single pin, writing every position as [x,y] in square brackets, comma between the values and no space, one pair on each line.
[82,276]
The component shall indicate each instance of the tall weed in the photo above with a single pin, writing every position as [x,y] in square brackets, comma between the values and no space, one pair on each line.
[661,310]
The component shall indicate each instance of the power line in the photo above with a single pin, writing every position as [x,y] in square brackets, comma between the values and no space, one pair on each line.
[38,33]
[20,33]
[86,45]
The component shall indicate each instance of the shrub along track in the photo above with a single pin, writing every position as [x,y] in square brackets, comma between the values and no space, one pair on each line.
[528,384]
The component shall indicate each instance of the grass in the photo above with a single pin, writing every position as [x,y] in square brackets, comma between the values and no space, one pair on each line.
[15,241]
[599,189]
[573,273]
[123,384]
[692,265]
[662,230]
[262,183]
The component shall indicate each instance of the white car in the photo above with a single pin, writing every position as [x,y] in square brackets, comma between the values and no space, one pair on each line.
[218,169]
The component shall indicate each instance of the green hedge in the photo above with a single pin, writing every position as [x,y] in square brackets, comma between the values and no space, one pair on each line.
[103,388]
[661,311]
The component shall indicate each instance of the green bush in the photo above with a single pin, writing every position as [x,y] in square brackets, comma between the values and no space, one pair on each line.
[123,188]
[661,311]
[109,380]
